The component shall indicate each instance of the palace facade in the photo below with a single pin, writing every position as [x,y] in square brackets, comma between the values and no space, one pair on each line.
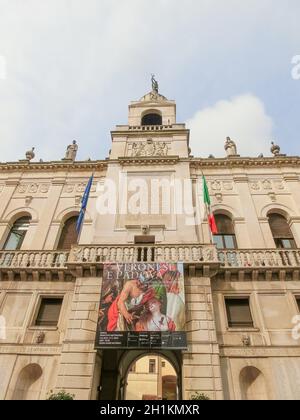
[242,287]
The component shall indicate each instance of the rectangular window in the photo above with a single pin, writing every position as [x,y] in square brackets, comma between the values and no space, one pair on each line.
[225,241]
[285,243]
[152,366]
[218,241]
[49,312]
[238,313]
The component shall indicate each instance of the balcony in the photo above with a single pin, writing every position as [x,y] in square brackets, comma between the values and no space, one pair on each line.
[192,254]
[259,259]
[271,264]
[33,265]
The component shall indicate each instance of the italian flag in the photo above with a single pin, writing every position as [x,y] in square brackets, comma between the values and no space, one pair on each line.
[210,215]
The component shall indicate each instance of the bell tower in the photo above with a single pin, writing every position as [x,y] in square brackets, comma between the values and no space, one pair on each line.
[148,167]
[152,130]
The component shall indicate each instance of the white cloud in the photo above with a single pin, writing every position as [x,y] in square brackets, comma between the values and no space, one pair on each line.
[73,66]
[242,118]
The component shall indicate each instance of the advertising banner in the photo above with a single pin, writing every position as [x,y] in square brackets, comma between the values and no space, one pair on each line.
[142,306]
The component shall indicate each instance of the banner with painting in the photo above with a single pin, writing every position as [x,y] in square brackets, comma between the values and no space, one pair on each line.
[142,306]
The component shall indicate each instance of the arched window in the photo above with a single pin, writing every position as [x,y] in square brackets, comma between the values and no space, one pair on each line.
[68,235]
[281,231]
[152,119]
[225,239]
[17,234]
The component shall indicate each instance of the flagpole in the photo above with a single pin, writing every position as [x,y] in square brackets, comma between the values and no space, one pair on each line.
[85,198]
[206,209]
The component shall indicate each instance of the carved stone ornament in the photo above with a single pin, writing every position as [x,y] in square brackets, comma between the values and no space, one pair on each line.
[22,188]
[255,186]
[44,188]
[216,186]
[267,185]
[219,197]
[28,200]
[246,340]
[149,149]
[69,188]
[33,188]
[40,337]
[78,200]
[145,229]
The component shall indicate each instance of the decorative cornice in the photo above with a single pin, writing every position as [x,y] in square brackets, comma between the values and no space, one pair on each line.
[54,165]
[169,160]
[195,163]
[245,162]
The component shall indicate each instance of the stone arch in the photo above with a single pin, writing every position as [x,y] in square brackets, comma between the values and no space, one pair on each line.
[252,384]
[24,388]
[277,208]
[151,117]
[129,359]
[17,213]
[70,212]
[227,211]
[116,365]
[11,220]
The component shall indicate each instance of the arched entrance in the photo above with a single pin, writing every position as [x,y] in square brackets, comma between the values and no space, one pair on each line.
[151,377]
[116,374]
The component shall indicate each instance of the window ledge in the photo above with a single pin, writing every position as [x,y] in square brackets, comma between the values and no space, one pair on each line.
[241,329]
[40,327]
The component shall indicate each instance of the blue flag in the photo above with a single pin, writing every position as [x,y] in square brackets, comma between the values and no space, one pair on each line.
[84,202]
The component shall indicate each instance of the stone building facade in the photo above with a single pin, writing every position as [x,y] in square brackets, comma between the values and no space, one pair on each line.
[242,293]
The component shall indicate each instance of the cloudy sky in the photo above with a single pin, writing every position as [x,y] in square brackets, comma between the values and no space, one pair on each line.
[69,68]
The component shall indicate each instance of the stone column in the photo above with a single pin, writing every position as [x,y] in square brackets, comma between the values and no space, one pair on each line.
[201,363]
[78,363]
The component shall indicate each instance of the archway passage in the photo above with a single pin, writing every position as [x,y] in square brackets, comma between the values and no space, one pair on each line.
[125,373]
[151,377]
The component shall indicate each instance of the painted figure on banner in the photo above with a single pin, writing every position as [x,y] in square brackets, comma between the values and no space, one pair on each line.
[142,297]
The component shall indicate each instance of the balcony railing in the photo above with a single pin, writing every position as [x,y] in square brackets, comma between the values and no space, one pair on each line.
[189,254]
[129,254]
[273,258]
[33,260]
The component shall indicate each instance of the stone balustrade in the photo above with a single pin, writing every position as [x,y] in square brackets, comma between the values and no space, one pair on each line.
[189,254]
[129,254]
[33,259]
[270,258]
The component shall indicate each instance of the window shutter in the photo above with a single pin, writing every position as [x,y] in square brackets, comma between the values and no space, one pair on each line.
[68,235]
[279,227]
